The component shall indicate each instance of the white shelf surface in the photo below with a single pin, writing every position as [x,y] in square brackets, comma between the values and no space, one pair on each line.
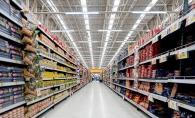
[11,106]
[60,91]
[10,38]
[16,3]
[126,67]
[184,81]
[158,97]
[44,110]
[3,84]
[184,105]
[11,60]
[44,88]
[144,62]
[39,99]
[153,80]
[10,18]
[59,85]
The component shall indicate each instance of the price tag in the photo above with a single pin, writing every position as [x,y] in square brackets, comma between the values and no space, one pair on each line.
[150,98]
[173,52]
[182,54]
[18,40]
[181,104]
[163,58]
[155,40]
[16,83]
[164,33]
[153,61]
[16,61]
[174,27]
[2,84]
[173,105]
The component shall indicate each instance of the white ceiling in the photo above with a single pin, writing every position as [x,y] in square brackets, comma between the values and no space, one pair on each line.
[95,48]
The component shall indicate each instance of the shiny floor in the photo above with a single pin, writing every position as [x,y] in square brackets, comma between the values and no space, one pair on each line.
[95,100]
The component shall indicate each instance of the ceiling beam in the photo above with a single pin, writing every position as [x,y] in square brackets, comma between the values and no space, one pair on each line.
[122,5]
[105,12]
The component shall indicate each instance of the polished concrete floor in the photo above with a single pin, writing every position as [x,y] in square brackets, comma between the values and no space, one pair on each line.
[95,100]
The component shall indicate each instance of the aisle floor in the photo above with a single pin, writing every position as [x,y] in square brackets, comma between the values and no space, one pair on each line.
[95,100]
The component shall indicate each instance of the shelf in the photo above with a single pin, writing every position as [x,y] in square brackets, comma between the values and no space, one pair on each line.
[144,62]
[155,96]
[141,108]
[126,67]
[11,60]
[59,85]
[146,43]
[154,80]
[44,88]
[17,4]
[184,81]
[56,44]
[11,106]
[10,38]
[44,110]
[27,79]
[10,18]
[60,91]
[158,97]
[56,53]
[143,92]
[3,84]
[184,105]
[61,99]
[38,99]
[118,93]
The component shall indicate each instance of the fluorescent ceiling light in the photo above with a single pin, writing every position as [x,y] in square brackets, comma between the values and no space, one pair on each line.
[78,13]
[149,12]
[110,30]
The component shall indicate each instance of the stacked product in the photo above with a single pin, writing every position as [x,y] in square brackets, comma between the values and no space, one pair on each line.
[60,96]
[11,74]
[183,114]
[149,51]
[130,61]
[190,8]
[188,97]
[10,51]
[160,108]
[11,95]
[42,84]
[122,75]
[144,102]
[124,54]
[48,63]
[37,107]
[145,86]
[10,10]
[14,113]
[121,64]
[129,72]
[18,92]
[162,90]
[145,71]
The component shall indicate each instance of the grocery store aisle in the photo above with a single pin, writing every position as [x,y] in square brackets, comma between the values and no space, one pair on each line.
[95,100]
